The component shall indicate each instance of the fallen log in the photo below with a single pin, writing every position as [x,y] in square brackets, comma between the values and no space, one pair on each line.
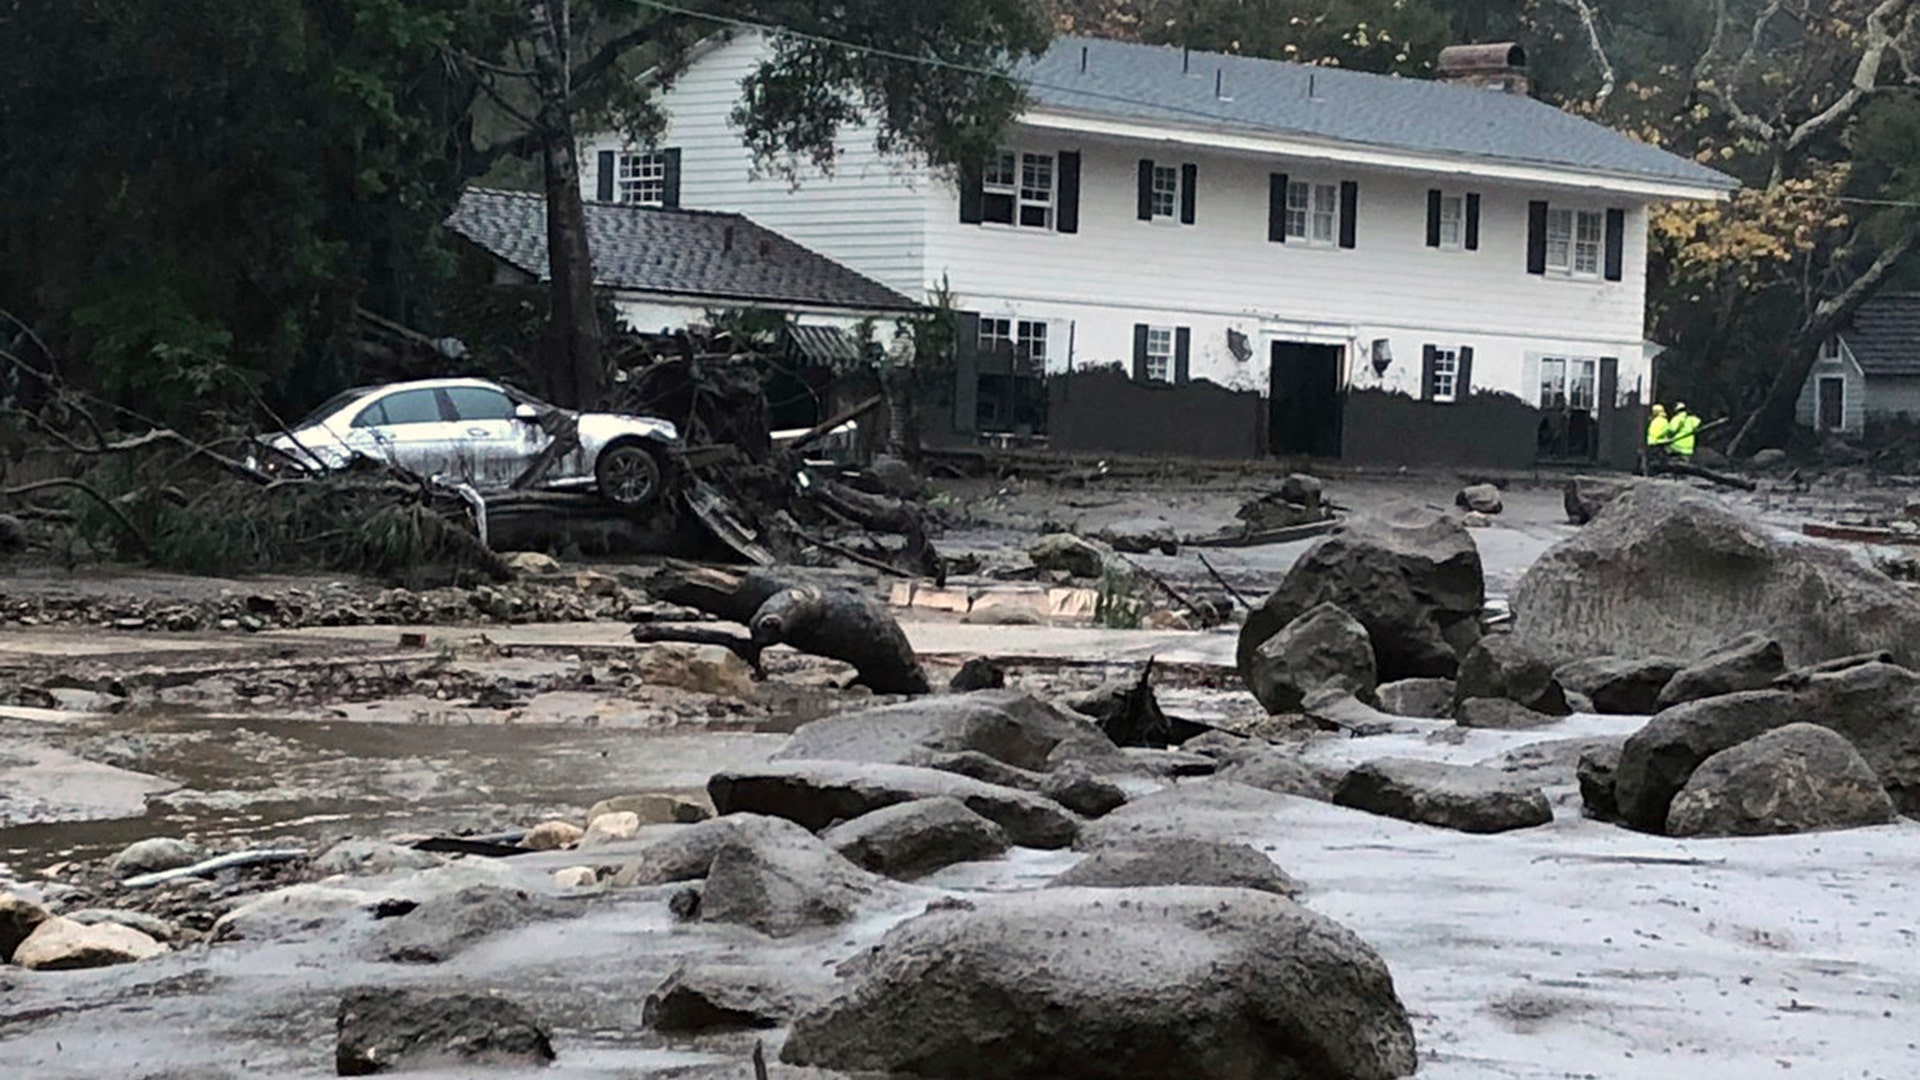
[215,865]
[838,624]
[1687,468]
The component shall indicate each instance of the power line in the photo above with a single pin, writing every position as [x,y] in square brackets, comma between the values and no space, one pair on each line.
[1097,95]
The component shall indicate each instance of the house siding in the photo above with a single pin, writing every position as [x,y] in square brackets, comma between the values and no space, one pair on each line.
[1859,400]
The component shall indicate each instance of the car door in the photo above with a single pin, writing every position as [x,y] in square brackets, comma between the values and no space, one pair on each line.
[405,427]
[495,448]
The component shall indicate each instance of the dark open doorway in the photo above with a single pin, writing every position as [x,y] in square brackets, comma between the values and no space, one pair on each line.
[1305,402]
[1833,402]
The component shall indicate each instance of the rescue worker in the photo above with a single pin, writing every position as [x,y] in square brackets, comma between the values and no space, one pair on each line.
[1657,428]
[1680,430]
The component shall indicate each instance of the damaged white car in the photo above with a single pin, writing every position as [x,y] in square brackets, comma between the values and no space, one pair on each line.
[483,434]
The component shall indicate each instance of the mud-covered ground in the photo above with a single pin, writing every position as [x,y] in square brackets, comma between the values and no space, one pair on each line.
[1574,950]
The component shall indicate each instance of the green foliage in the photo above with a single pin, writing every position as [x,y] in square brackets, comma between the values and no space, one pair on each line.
[1397,36]
[1118,603]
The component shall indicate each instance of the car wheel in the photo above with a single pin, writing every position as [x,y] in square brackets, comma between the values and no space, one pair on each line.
[628,475]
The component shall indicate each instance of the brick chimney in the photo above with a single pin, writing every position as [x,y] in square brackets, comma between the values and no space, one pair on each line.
[1498,66]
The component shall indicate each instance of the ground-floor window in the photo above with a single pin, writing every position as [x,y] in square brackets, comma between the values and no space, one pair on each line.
[1568,383]
[1446,374]
[1160,353]
[1030,345]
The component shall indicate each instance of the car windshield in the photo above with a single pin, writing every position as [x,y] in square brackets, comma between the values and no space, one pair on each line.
[332,405]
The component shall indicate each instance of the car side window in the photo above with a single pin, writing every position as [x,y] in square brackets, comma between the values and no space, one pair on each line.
[479,403]
[405,407]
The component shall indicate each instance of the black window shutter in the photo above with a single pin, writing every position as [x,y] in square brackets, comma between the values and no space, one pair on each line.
[1146,189]
[1473,222]
[1189,192]
[1537,236]
[1277,207]
[1463,375]
[670,196]
[1182,353]
[1139,352]
[603,179]
[1616,243]
[966,371]
[1349,211]
[1067,214]
[1428,356]
[971,196]
[1433,217]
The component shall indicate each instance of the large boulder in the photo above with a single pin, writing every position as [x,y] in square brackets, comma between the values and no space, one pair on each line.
[1178,860]
[1499,714]
[687,853]
[380,1031]
[817,794]
[651,809]
[1585,496]
[1430,699]
[911,839]
[1088,984]
[1005,725]
[1667,571]
[1413,580]
[703,997]
[1470,798]
[58,944]
[1069,553]
[446,924]
[1283,772]
[1793,779]
[1479,498]
[154,854]
[782,889]
[1617,685]
[19,917]
[1497,667]
[1325,648]
[1749,662]
[1072,785]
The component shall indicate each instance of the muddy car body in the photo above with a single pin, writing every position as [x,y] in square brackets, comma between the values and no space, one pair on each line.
[480,433]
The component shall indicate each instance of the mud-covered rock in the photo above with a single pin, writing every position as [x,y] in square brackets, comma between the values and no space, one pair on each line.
[1470,798]
[703,669]
[1080,791]
[1748,662]
[552,836]
[1430,699]
[1007,725]
[1499,714]
[688,852]
[445,924]
[610,827]
[912,839]
[1479,498]
[651,809]
[1090,984]
[817,794]
[380,1031]
[1178,861]
[1498,667]
[1617,685]
[1414,581]
[1657,760]
[18,918]
[782,889]
[1595,775]
[1324,649]
[154,854]
[59,944]
[701,997]
[978,673]
[1797,778]
[1285,772]
[1069,553]
[1585,496]
[365,858]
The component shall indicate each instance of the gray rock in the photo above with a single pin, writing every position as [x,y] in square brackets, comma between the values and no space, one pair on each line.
[1068,553]
[651,809]
[1768,458]
[782,889]
[1657,760]
[1178,861]
[688,853]
[911,839]
[1283,772]
[704,997]
[151,925]
[1140,536]
[153,854]
[1663,568]
[1339,710]
[58,944]
[446,924]
[1552,762]
[1748,662]
[18,918]
[1798,778]
[1324,649]
[294,912]
[1082,792]
[1469,798]
[1498,714]
[1430,699]
[1209,808]
[1006,725]
[367,858]
[1302,489]
[1411,580]
[817,794]
[894,476]
[1498,667]
[1089,984]
[1595,774]
[380,1031]
[1619,686]
[1479,498]
[1168,763]
[1585,496]
[978,673]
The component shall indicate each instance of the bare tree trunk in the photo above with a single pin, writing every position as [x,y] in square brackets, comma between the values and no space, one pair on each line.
[575,372]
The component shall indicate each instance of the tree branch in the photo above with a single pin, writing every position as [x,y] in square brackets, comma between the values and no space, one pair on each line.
[1705,63]
[106,504]
[1866,74]
[610,53]
[1599,51]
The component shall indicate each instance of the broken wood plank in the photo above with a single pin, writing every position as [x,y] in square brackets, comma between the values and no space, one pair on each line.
[215,865]
[1861,534]
[823,428]
[1244,537]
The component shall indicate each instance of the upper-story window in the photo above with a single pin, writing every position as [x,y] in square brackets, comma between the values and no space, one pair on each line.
[1313,211]
[642,178]
[1166,191]
[1453,221]
[1017,189]
[1574,241]
[1830,348]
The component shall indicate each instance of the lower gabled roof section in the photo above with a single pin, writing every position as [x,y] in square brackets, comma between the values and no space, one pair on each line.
[1884,335]
[724,259]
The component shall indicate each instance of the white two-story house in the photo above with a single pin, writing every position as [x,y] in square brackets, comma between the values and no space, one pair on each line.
[1202,254]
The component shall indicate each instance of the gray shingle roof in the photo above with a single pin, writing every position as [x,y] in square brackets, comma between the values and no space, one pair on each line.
[692,253]
[1145,82]
[1885,334]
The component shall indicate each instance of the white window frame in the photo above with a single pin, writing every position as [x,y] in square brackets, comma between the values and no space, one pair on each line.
[1313,207]
[1446,373]
[1830,349]
[1576,241]
[1030,181]
[996,332]
[1030,344]
[1165,193]
[640,177]
[1453,222]
[1576,386]
[1160,354]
